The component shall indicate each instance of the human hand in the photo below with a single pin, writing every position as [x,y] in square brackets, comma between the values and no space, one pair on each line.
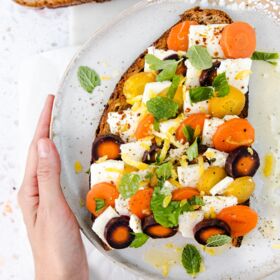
[52,228]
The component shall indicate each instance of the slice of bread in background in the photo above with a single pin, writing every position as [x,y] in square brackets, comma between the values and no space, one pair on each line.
[53,3]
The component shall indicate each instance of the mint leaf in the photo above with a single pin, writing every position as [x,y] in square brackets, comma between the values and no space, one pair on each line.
[165,216]
[173,88]
[196,201]
[167,73]
[88,78]
[162,107]
[192,151]
[156,125]
[218,240]
[191,259]
[199,57]
[129,185]
[164,171]
[99,204]
[221,85]
[265,56]
[139,240]
[188,132]
[191,204]
[198,94]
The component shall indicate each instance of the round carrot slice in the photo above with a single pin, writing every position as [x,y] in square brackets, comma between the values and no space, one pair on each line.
[178,38]
[139,203]
[238,40]
[195,121]
[233,134]
[106,192]
[241,219]
[184,193]
[144,126]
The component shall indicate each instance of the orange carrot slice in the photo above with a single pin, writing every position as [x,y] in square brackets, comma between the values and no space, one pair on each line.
[238,40]
[144,127]
[104,191]
[110,149]
[178,38]
[139,203]
[184,193]
[241,219]
[233,134]
[195,121]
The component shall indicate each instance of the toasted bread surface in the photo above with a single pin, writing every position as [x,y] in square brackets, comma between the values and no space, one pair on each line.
[54,3]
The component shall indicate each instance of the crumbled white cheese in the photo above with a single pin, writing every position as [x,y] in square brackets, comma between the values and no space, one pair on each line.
[209,36]
[189,175]
[167,188]
[191,108]
[216,157]
[221,186]
[187,222]
[135,150]
[192,75]
[177,153]
[101,221]
[209,129]
[135,224]
[217,203]
[166,127]
[153,89]
[122,206]
[123,123]
[106,171]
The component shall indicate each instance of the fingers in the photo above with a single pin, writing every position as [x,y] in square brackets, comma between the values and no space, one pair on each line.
[48,173]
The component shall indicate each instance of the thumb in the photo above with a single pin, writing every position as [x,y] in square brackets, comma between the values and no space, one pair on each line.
[48,172]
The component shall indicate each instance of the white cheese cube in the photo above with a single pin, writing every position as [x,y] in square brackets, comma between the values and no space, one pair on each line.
[121,206]
[237,72]
[192,108]
[107,171]
[135,224]
[169,126]
[188,220]
[192,75]
[209,36]
[177,153]
[161,54]
[216,157]
[153,89]
[101,221]
[135,150]
[189,175]
[217,203]
[230,117]
[209,129]
[221,186]
[167,188]
[123,123]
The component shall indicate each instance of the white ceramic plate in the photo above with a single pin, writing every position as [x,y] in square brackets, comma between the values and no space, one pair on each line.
[76,116]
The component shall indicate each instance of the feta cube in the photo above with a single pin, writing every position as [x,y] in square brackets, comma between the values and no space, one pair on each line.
[221,186]
[192,108]
[154,89]
[209,129]
[217,203]
[122,206]
[188,220]
[216,157]
[135,224]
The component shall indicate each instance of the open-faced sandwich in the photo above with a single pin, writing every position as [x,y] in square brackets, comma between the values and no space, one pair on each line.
[173,152]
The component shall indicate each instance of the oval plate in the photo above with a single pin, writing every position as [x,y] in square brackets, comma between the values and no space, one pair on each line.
[76,116]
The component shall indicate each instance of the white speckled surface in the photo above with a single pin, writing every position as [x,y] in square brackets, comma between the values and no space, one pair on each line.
[23,33]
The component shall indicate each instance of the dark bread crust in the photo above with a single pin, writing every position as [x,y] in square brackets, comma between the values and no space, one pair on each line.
[117,101]
[54,3]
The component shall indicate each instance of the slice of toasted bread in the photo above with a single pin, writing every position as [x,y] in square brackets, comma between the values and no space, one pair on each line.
[117,101]
[54,3]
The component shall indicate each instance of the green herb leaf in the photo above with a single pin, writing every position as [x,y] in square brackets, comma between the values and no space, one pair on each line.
[139,240]
[196,201]
[191,259]
[173,88]
[188,132]
[191,204]
[162,107]
[198,94]
[164,171]
[88,78]
[156,125]
[199,57]
[99,204]
[129,185]
[168,67]
[218,240]
[165,216]
[149,176]
[192,151]
[265,56]
[221,85]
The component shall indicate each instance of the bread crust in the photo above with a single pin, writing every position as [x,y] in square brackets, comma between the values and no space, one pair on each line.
[54,3]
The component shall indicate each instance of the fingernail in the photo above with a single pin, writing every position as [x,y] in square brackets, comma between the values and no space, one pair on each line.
[43,148]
